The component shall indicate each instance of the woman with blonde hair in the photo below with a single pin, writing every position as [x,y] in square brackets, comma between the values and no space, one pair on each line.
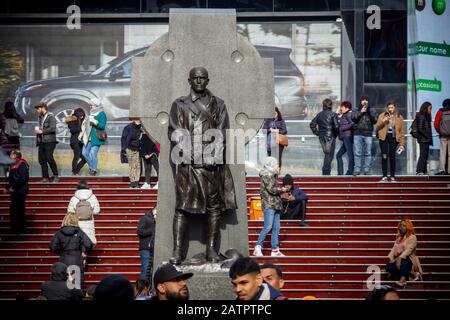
[71,243]
[403,259]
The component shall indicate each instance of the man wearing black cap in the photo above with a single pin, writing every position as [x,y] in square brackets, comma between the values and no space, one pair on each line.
[170,283]
[294,202]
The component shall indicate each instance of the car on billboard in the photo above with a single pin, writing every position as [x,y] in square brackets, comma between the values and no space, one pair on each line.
[111,83]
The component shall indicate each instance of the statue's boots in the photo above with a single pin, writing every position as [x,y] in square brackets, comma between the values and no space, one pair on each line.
[213,232]
[179,230]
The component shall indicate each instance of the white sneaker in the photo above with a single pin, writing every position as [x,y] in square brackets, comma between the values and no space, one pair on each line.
[276,253]
[384,179]
[146,186]
[155,187]
[258,251]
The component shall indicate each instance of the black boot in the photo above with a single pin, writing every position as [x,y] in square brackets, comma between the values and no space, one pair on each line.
[213,232]
[179,229]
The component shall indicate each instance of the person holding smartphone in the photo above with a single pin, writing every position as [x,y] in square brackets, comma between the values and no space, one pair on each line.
[391,134]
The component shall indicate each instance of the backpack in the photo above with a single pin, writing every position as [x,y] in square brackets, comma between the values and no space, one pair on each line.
[444,126]
[12,127]
[413,130]
[84,210]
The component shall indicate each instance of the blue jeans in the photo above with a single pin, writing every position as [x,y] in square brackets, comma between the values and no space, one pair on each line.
[405,268]
[363,145]
[146,264]
[271,222]
[346,147]
[90,154]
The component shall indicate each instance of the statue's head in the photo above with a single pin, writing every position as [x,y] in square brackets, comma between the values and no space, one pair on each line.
[198,79]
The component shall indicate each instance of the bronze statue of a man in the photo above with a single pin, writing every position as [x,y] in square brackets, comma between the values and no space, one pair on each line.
[201,187]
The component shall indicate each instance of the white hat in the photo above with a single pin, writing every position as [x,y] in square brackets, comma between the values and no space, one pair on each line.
[95,101]
[271,163]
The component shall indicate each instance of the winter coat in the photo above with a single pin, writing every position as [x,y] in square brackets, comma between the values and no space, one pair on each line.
[399,129]
[87,226]
[267,292]
[146,231]
[191,184]
[74,125]
[90,134]
[9,143]
[69,242]
[131,139]
[56,288]
[409,252]
[438,118]
[299,196]
[270,192]
[274,124]
[325,124]
[18,177]
[345,125]
[363,122]
[424,133]
[148,147]
[47,123]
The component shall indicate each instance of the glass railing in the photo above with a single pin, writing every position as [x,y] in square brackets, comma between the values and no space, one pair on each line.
[303,156]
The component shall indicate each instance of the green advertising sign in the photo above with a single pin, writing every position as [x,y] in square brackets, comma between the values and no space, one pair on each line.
[427,85]
[433,49]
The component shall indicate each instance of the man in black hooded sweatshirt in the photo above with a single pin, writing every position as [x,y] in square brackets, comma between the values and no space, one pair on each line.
[57,288]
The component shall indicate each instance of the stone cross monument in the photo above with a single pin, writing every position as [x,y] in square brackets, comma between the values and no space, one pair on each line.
[242,79]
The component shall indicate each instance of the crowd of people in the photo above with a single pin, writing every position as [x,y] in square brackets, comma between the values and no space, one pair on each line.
[355,129]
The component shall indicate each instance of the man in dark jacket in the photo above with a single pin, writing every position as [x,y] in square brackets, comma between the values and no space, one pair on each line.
[130,147]
[146,234]
[424,136]
[18,187]
[46,141]
[248,283]
[294,202]
[57,288]
[364,120]
[325,126]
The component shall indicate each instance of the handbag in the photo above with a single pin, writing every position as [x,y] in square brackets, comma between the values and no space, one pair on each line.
[101,135]
[282,139]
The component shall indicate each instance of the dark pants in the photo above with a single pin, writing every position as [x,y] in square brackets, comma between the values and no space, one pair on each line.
[295,213]
[146,265]
[423,158]
[46,158]
[346,147]
[78,161]
[280,154]
[388,151]
[148,164]
[328,146]
[17,212]
[404,271]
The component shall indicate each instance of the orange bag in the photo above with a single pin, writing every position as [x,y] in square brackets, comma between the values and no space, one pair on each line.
[256,211]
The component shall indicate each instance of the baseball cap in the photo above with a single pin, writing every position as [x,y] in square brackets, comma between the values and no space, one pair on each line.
[95,101]
[168,272]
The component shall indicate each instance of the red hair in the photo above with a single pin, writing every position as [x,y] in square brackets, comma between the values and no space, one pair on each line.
[409,228]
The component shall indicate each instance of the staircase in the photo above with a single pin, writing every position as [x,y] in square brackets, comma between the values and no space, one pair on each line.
[352,226]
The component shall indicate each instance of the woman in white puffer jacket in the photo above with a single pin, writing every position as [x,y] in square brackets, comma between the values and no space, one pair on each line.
[84,193]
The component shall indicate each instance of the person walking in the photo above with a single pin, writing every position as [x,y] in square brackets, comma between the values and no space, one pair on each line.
[46,142]
[75,122]
[9,128]
[150,156]
[94,135]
